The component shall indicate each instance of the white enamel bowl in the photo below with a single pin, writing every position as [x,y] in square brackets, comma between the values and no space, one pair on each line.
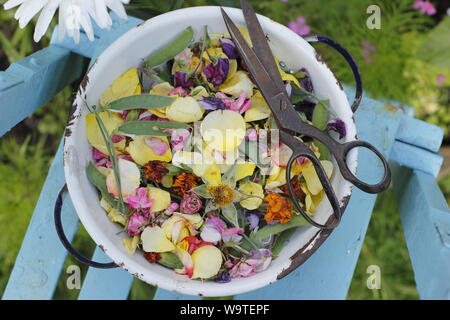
[127,52]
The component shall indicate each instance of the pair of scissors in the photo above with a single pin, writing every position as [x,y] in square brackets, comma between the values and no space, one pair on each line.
[262,66]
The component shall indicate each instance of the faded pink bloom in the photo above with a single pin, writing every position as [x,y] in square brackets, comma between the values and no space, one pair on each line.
[135,223]
[180,91]
[232,234]
[157,145]
[216,229]
[251,134]
[425,7]
[240,104]
[140,200]
[299,26]
[191,203]
[257,262]
[172,208]
[367,50]
[184,56]
[178,138]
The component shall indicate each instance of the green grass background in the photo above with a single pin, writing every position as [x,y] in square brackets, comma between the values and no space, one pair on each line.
[399,70]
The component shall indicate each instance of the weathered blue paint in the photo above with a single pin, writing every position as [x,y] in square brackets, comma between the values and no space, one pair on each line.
[34,80]
[420,134]
[416,158]
[426,224]
[105,284]
[41,257]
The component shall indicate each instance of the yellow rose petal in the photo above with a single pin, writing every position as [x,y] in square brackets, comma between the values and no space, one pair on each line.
[155,240]
[195,219]
[115,216]
[243,170]
[239,82]
[258,110]
[141,152]
[130,244]
[207,261]
[223,130]
[125,85]
[252,189]
[111,121]
[184,110]
[199,93]
[130,179]
[161,199]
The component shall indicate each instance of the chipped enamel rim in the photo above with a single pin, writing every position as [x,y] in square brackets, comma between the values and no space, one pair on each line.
[127,52]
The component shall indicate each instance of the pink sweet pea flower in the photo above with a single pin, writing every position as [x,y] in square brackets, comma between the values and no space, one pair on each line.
[299,26]
[240,105]
[232,234]
[257,262]
[215,230]
[135,223]
[178,138]
[172,208]
[157,145]
[425,7]
[140,200]
[251,134]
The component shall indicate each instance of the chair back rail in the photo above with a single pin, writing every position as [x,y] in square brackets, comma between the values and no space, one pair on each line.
[326,275]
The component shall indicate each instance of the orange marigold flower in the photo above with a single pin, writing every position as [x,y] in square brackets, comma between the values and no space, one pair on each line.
[155,171]
[184,182]
[296,185]
[152,257]
[279,208]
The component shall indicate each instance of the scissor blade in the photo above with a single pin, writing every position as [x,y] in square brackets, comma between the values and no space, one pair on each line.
[256,68]
[260,45]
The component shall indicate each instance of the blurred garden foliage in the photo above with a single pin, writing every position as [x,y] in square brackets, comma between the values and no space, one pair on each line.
[407,60]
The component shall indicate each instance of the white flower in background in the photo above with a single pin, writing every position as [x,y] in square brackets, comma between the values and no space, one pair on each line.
[73,14]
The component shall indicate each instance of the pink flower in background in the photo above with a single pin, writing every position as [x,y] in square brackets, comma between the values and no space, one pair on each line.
[440,80]
[299,26]
[140,200]
[367,50]
[425,7]
[135,223]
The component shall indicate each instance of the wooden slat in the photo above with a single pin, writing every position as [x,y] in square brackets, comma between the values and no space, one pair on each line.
[328,272]
[426,223]
[420,134]
[41,257]
[105,284]
[34,80]
[416,158]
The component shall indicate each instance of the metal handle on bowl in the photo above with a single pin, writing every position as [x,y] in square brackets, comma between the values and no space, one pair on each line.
[65,242]
[352,63]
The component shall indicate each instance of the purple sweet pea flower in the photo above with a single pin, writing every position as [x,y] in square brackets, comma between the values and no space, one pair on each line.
[306,81]
[339,126]
[425,7]
[223,277]
[212,103]
[216,74]
[135,223]
[181,81]
[229,48]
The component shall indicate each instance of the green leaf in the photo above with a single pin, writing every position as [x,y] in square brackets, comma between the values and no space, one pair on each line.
[170,260]
[230,213]
[141,101]
[172,49]
[320,120]
[272,229]
[202,192]
[147,128]
[99,181]
[281,240]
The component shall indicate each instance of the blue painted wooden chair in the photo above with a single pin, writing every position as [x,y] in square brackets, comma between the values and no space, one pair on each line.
[410,144]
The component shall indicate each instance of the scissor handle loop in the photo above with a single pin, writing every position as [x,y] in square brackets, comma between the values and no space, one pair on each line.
[326,186]
[350,60]
[348,175]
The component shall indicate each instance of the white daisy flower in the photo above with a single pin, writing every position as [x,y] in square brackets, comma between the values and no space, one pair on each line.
[73,14]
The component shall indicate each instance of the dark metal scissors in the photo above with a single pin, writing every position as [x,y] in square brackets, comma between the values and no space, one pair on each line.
[262,66]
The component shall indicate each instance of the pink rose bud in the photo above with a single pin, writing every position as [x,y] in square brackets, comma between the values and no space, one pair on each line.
[191,203]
